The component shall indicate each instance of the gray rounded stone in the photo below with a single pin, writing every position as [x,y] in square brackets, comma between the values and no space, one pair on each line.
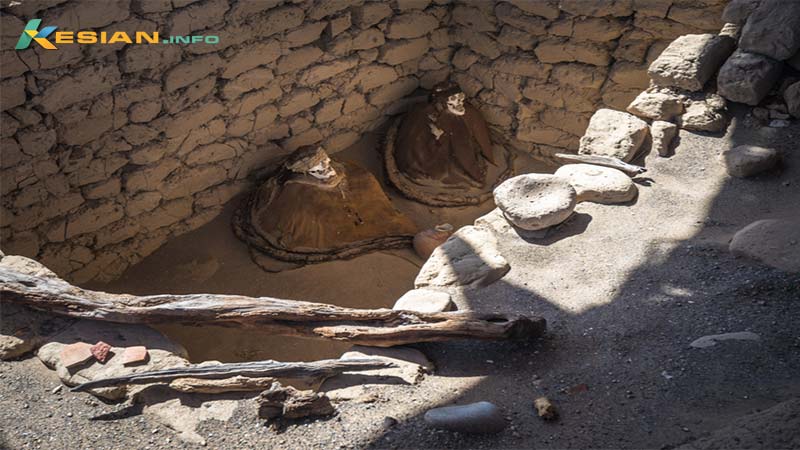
[481,417]
[535,201]
[598,184]
[748,160]
[424,300]
[774,242]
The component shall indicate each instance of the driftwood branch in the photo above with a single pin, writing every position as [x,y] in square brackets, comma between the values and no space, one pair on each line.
[307,371]
[375,327]
[605,161]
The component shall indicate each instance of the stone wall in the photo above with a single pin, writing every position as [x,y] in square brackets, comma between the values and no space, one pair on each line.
[110,150]
[539,69]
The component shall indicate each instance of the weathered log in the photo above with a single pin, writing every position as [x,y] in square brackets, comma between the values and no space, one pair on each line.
[374,327]
[307,371]
[605,161]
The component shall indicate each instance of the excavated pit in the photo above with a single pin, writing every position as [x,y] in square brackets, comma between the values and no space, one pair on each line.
[211,259]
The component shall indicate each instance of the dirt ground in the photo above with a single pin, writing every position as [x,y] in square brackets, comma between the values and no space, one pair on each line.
[624,289]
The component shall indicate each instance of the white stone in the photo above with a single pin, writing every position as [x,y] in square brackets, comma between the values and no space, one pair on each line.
[613,133]
[425,301]
[712,339]
[535,201]
[663,133]
[691,60]
[598,184]
[468,258]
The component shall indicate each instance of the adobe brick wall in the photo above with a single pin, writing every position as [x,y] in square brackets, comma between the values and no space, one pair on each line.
[108,151]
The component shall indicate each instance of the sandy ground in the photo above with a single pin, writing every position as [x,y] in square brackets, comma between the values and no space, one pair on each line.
[624,288]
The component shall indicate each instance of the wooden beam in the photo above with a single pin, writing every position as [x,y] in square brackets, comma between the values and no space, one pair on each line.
[374,327]
[605,161]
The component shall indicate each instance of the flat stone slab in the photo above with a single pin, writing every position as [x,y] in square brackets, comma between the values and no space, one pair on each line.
[425,300]
[774,242]
[535,201]
[691,60]
[747,77]
[773,29]
[613,133]
[468,258]
[713,339]
[479,418]
[598,184]
[749,160]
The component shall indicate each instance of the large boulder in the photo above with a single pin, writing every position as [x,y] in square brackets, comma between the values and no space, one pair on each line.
[737,11]
[535,201]
[774,242]
[792,98]
[773,29]
[691,60]
[613,133]
[747,77]
[598,184]
[468,258]
[749,160]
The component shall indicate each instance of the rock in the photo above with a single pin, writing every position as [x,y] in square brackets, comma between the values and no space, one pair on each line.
[704,116]
[290,403]
[411,365]
[134,355]
[691,60]
[711,340]
[747,77]
[495,221]
[545,409]
[774,242]
[613,133]
[212,386]
[663,133]
[424,300]
[482,417]
[426,241]
[794,61]
[748,160]
[163,354]
[74,354]
[792,97]
[468,257]
[737,11]
[23,329]
[598,184]
[773,29]
[535,201]
[100,351]
[656,105]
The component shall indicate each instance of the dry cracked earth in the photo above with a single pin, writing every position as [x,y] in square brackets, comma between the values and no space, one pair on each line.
[625,290]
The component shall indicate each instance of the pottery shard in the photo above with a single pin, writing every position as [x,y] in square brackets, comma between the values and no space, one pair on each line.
[748,160]
[663,134]
[747,77]
[773,29]
[424,300]
[134,355]
[792,97]
[691,60]
[774,242]
[73,354]
[468,257]
[535,201]
[613,133]
[598,184]
[481,417]
[100,351]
